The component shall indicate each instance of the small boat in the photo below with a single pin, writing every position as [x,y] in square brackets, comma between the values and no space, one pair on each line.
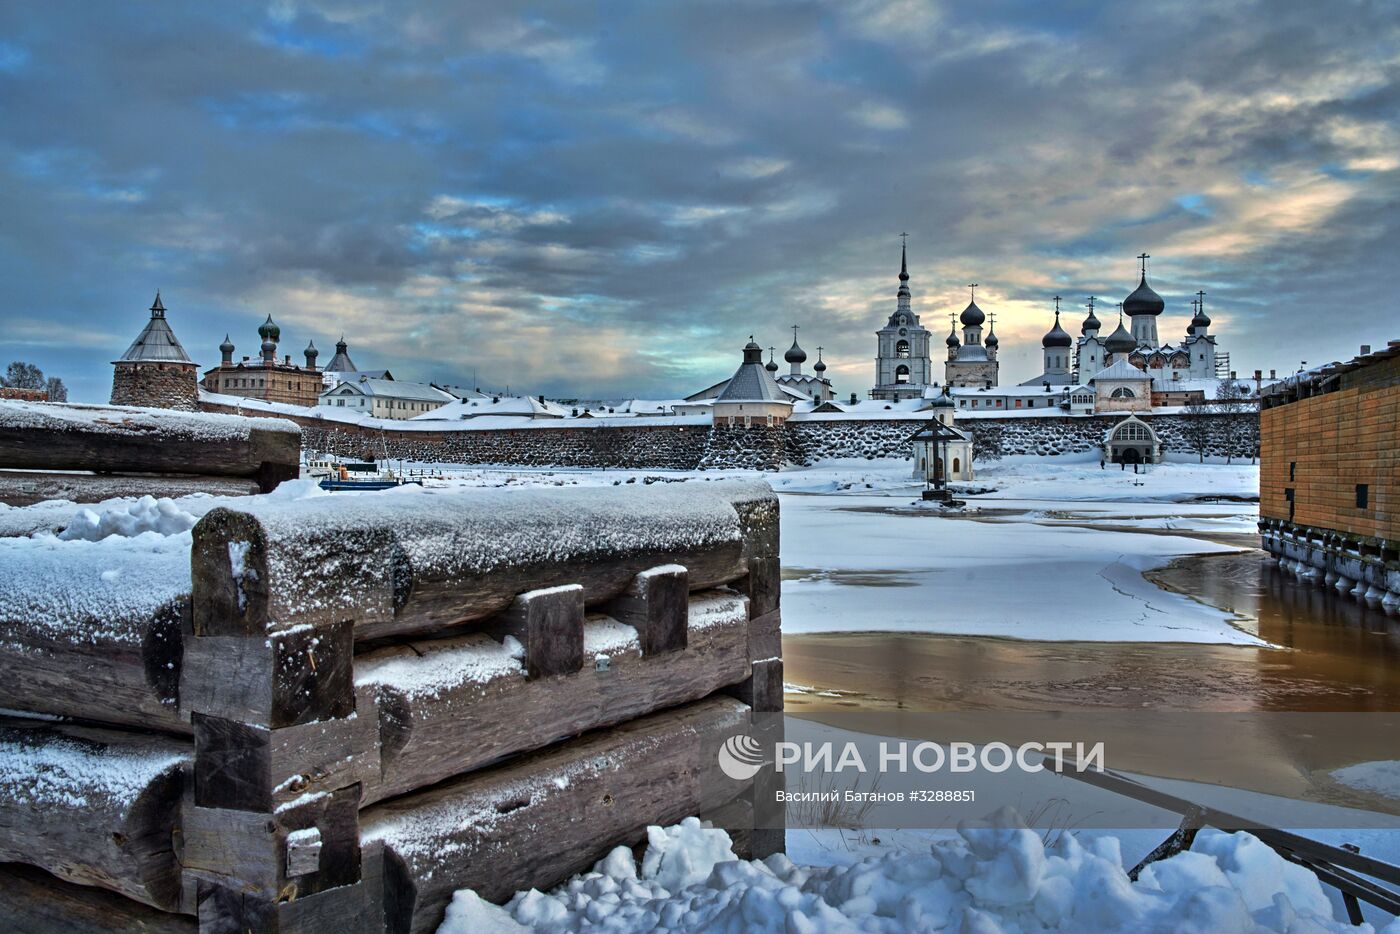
[362,476]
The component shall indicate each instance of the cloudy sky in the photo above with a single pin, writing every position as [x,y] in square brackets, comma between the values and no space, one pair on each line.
[607,203]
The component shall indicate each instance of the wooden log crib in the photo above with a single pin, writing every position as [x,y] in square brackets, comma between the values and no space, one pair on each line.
[361,704]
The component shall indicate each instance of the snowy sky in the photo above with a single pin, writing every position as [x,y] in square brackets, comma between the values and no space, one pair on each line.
[579,203]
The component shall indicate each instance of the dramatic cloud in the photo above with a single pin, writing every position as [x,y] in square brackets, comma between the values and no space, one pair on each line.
[607,203]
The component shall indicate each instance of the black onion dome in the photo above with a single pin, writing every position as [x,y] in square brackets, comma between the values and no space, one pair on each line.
[972,316]
[1201,319]
[1056,336]
[269,330]
[941,401]
[952,340]
[795,354]
[820,366]
[992,340]
[226,346]
[1091,323]
[1143,301]
[771,366]
[1120,341]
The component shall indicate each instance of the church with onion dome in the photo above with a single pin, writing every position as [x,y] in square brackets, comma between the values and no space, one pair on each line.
[266,377]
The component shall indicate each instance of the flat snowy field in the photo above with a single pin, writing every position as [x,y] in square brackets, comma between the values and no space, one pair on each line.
[1047,548]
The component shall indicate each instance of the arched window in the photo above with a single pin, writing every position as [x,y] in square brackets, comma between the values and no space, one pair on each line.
[901,350]
[1123,392]
[1133,431]
[901,374]
[957,465]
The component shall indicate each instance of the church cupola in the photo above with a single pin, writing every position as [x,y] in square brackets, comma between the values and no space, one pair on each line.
[1090,327]
[1200,322]
[1142,307]
[1119,342]
[795,355]
[270,334]
[992,343]
[1056,336]
[311,354]
[820,366]
[772,365]
[226,352]
[1055,347]
[952,341]
[752,352]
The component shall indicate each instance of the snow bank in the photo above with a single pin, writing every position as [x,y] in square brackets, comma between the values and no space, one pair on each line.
[146,514]
[996,875]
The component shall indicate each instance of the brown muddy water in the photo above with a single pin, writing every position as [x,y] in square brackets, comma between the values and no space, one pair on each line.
[1328,653]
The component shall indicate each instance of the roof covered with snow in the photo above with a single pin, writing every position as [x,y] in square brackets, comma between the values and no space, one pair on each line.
[1120,371]
[527,406]
[391,389]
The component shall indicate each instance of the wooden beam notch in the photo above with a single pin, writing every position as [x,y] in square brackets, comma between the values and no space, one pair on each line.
[657,605]
[549,624]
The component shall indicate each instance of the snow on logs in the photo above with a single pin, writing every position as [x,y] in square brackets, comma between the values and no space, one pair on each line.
[454,705]
[95,631]
[540,819]
[402,565]
[120,439]
[94,807]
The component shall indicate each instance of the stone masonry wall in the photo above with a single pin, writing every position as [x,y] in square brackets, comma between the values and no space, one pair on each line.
[158,385]
[637,445]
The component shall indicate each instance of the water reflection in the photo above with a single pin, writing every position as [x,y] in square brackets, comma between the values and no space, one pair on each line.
[1331,639]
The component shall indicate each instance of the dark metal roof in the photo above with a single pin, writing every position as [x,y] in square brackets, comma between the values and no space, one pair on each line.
[972,316]
[1056,336]
[1143,301]
[156,343]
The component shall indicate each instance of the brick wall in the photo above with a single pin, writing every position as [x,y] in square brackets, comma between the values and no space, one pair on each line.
[1322,447]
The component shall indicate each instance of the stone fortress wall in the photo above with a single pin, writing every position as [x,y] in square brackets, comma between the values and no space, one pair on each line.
[639,446]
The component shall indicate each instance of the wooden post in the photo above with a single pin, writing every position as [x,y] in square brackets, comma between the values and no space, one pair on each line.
[549,623]
[656,605]
[280,752]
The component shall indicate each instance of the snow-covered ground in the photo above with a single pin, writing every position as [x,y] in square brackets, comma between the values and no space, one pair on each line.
[862,553]
[992,876]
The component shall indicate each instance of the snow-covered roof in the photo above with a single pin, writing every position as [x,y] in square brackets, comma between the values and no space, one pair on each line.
[1121,371]
[527,406]
[390,389]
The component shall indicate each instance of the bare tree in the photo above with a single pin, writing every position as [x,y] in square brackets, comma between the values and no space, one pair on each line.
[57,391]
[1196,426]
[21,375]
[1232,402]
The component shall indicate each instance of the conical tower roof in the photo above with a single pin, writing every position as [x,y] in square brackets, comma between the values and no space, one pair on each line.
[156,343]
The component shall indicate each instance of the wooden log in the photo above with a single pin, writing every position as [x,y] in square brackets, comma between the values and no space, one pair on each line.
[536,821]
[548,623]
[246,853]
[656,606]
[451,706]
[94,807]
[34,902]
[24,488]
[59,656]
[402,565]
[297,675]
[117,439]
